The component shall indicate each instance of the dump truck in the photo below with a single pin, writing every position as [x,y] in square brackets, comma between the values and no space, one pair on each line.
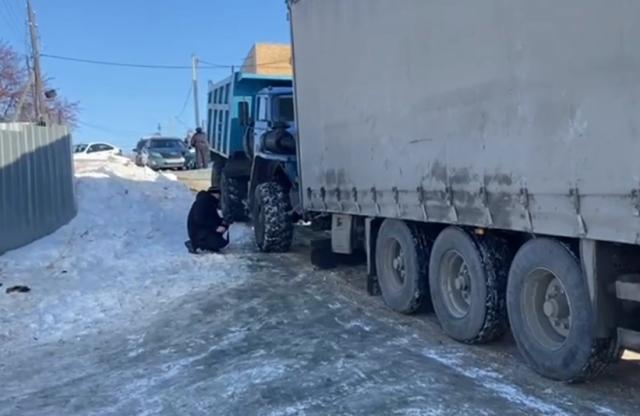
[251,132]
[484,154]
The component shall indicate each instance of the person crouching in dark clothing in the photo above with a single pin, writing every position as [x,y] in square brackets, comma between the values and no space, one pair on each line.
[205,226]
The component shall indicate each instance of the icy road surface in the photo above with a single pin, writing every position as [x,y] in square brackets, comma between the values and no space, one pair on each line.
[120,320]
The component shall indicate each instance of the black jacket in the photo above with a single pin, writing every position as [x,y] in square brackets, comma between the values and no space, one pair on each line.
[203,217]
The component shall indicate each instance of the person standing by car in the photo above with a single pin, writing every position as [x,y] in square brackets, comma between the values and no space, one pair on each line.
[205,226]
[199,141]
[187,139]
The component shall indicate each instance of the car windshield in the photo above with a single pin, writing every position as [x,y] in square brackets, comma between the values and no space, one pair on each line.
[166,144]
[285,109]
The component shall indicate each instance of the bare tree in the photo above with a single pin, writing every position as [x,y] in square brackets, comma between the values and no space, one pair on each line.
[13,80]
[15,88]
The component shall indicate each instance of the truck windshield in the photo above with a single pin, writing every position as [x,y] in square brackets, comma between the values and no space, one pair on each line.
[285,109]
[165,144]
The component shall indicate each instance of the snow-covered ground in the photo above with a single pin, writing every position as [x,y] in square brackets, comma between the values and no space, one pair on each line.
[120,320]
[120,258]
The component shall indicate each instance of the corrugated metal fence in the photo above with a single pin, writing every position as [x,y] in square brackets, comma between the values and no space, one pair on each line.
[36,182]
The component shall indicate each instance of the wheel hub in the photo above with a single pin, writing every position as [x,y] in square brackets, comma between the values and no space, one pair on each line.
[456,284]
[547,309]
[397,261]
[398,264]
[556,308]
[462,282]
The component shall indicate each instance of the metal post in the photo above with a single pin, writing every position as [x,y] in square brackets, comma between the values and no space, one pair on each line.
[194,74]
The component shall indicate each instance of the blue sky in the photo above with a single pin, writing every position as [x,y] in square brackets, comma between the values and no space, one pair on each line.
[121,104]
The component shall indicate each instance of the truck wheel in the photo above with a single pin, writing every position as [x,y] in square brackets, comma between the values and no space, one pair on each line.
[551,315]
[233,192]
[402,253]
[272,223]
[468,283]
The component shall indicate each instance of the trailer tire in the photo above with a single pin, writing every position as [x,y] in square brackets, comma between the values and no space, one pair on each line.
[233,194]
[402,255]
[468,280]
[551,316]
[272,220]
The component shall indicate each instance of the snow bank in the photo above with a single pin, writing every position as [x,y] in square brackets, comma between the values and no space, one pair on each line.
[122,257]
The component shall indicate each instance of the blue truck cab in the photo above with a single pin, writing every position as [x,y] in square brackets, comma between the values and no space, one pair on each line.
[252,136]
[275,112]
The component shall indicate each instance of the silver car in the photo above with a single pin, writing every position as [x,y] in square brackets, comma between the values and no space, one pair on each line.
[164,153]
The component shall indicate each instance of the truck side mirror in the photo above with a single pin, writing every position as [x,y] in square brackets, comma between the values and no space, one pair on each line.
[243,113]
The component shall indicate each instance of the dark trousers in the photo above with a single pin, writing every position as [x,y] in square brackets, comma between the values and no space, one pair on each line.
[210,242]
[202,155]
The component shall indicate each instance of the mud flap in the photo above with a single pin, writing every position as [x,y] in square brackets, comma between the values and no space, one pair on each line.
[321,254]
[602,264]
[371,234]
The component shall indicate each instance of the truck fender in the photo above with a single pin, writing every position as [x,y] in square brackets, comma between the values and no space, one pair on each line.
[263,170]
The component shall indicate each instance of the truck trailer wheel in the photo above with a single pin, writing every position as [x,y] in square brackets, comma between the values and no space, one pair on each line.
[468,282]
[402,253]
[551,315]
[272,221]
[233,193]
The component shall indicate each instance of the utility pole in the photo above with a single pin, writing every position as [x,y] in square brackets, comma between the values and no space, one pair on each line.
[41,113]
[194,75]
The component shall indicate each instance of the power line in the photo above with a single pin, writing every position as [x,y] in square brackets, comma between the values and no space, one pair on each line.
[108,130]
[10,20]
[257,65]
[186,102]
[11,14]
[124,64]
[208,65]
[120,64]
[9,5]
[182,122]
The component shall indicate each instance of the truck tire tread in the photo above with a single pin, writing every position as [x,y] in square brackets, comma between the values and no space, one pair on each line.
[583,356]
[414,291]
[233,196]
[491,257]
[278,228]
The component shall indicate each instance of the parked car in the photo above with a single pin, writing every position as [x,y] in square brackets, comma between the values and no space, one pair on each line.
[164,153]
[95,150]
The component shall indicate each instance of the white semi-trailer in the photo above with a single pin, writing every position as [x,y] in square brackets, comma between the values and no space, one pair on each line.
[486,154]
